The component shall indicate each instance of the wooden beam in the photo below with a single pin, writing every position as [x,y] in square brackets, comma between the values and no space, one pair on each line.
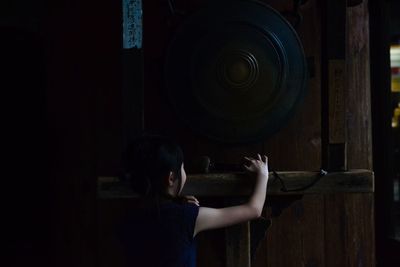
[237,240]
[240,184]
[334,139]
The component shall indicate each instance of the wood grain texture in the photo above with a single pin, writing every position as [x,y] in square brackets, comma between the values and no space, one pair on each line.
[350,217]
[83,98]
[298,147]
[237,245]
[85,116]
[350,230]
[336,116]
[296,243]
[333,85]
[109,214]
[302,134]
[211,248]
[293,239]
[240,184]
[358,116]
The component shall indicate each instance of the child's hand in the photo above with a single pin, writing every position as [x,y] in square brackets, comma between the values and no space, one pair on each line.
[258,166]
[191,199]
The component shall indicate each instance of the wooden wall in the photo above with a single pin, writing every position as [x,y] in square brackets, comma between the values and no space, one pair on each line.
[27,194]
[319,230]
[84,76]
[85,66]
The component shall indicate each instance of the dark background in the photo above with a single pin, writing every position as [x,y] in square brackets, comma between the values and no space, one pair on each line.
[64,124]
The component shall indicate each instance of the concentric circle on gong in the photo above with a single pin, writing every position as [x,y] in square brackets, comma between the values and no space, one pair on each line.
[235,71]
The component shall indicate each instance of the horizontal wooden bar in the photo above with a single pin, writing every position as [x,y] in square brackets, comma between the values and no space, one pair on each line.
[241,184]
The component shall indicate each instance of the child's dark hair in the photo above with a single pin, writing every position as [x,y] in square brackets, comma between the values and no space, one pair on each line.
[148,160]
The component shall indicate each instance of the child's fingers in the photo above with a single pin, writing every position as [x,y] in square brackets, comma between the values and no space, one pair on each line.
[194,202]
[249,159]
[259,157]
[192,199]
[266,159]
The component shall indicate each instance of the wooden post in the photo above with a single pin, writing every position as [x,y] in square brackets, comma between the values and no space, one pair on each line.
[333,85]
[132,94]
[237,240]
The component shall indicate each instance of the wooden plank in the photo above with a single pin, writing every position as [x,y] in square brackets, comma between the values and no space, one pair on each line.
[240,184]
[132,94]
[312,226]
[296,237]
[259,259]
[237,240]
[292,241]
[337,130]
[211,248]
[334,230]
[360,240]
[284,244]
[110,212]
[349,228]
[334,81]
[84,121]
[358,116]
[349,218]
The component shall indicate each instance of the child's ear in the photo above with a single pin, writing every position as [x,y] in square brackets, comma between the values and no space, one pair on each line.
[171,179]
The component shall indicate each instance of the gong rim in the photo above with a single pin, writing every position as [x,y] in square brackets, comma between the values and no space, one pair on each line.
[202,110]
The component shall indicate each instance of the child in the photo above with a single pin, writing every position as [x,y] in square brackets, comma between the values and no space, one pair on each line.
[162,231]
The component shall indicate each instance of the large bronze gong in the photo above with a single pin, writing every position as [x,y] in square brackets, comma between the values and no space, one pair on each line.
[235,71]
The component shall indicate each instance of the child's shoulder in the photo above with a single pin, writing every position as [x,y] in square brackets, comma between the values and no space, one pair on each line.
[180,204]
[188,209]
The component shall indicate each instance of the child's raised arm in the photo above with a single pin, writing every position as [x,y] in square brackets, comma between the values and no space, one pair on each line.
[210,218]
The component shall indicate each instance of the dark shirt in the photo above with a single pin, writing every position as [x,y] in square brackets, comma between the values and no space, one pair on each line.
[160,236]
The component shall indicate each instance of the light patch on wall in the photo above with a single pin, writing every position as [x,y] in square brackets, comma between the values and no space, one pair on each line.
[132,24]
[395,87]
[395,65]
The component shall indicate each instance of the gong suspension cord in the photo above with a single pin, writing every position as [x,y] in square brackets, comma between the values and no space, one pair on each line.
[321,174]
